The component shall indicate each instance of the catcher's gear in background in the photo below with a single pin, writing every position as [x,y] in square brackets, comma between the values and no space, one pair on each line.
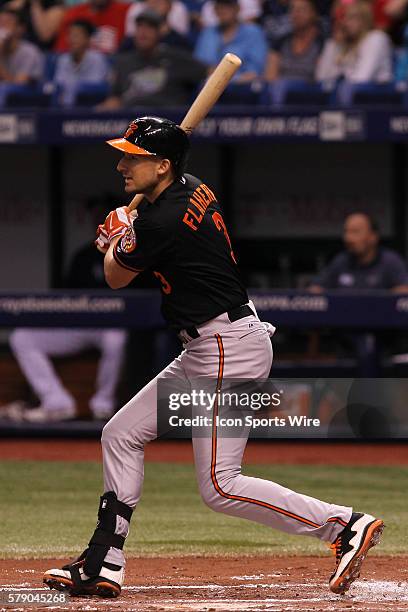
[154,136]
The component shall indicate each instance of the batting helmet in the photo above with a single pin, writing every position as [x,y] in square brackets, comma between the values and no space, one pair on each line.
[155,136]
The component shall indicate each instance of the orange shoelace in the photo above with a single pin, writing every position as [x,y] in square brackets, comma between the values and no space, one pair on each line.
[336,549]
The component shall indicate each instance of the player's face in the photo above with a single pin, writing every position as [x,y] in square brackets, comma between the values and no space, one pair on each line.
[358,236]
[140,172]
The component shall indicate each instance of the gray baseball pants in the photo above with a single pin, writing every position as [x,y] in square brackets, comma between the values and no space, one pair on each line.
[224,350]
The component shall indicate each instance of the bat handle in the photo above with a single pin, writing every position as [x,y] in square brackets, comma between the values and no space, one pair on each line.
[135,202]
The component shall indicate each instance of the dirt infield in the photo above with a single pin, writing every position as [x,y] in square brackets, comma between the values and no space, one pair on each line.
[272,452]
[191,584]
[228,584]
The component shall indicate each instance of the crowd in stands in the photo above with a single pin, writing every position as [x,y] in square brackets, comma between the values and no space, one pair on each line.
[157,52]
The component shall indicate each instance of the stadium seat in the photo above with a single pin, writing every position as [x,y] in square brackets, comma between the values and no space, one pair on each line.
[50,65]
[297,92]
[243,93]
[369,94]
[90,94]
[24,96]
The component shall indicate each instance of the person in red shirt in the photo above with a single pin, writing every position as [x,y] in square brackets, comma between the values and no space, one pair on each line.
[108,18]
[383,12]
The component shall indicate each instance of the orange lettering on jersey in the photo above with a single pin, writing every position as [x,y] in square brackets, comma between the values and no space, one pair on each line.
[197,204]
[165,285]
[201,198]
[193,214]
[197,197]
[221,227]
[188,221]
[210,195]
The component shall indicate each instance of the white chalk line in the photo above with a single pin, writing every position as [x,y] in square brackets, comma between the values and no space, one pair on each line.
[258,576]
[374,591]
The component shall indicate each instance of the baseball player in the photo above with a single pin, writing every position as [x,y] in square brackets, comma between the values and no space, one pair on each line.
[179,233]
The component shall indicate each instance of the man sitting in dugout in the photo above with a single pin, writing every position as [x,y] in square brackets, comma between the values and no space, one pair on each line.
[364,264]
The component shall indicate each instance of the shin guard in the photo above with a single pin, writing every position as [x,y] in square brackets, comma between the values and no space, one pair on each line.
[104,536]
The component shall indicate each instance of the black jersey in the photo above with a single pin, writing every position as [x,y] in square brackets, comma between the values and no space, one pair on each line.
[182,238]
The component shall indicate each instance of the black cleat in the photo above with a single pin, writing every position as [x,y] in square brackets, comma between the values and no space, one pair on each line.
[351,547]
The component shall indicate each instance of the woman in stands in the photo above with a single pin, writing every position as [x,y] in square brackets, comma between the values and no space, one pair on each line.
[357,52]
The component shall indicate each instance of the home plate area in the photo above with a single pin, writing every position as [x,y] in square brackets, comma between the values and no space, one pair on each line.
[229,584]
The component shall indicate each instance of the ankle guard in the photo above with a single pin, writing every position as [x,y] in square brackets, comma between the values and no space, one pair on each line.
[104,536]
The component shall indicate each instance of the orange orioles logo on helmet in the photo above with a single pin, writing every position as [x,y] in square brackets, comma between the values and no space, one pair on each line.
[128,240]
[131,129]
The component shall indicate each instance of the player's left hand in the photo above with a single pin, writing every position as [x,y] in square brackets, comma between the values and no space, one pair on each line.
[102,239]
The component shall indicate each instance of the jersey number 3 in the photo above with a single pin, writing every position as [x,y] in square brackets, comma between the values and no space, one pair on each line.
[220,225]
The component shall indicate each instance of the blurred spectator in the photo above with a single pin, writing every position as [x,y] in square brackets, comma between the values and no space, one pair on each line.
[295,55]
[395,9]
[276,20]
[277,24]
[357,52]
[33,348]
[108,18]
[153,74]
[249,11]
[364,264]
[246,40]
[169,34]
[401,65]
[396,12]
[43,19]
[381,16]
[174,12]
[21,62]
[385,12]
[81,64]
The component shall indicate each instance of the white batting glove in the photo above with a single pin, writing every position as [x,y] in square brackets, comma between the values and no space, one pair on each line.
[116,224]
[271,329]
[102,240]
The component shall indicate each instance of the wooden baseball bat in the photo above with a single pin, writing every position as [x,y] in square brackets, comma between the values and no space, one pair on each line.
[205,100]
